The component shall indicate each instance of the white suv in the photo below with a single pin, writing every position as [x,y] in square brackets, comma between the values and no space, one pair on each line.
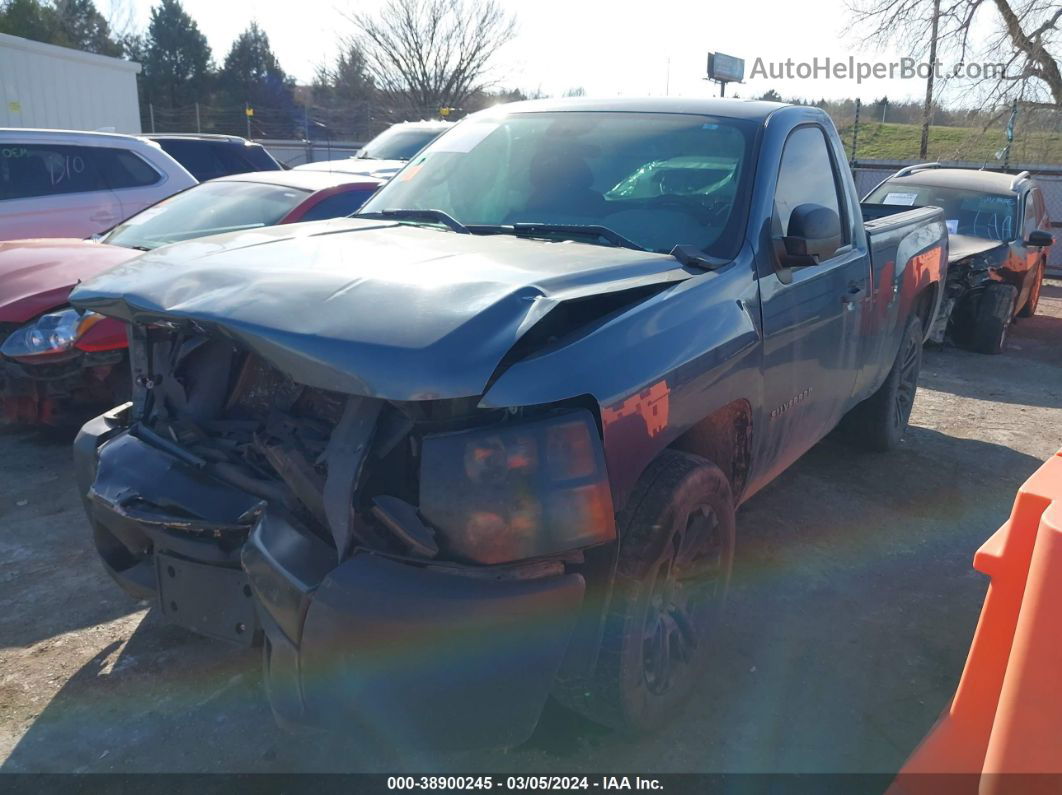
[59,183]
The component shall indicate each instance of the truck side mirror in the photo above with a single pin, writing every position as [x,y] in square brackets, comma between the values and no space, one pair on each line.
[1040,238]
[814,235]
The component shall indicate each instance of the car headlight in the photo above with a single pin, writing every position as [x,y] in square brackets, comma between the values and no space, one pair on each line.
[49,335]
[510,493]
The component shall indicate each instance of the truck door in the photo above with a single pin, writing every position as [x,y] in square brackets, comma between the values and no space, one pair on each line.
[810,324]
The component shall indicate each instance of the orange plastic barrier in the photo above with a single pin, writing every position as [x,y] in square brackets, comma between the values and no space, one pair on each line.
[1006,717]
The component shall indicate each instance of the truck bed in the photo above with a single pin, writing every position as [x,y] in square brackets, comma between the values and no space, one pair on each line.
[904,240]
[889,227]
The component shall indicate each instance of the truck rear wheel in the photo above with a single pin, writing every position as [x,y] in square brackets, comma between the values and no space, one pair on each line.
[676,554]
[879,422]
[1034,294]
[994,314]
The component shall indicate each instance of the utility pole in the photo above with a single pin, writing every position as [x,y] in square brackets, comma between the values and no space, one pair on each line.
[927,111]
[855,130]
[151,111]
[198,126]
[1010,134]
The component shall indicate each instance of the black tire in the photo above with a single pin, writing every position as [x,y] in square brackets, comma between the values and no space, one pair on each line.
[879,422]
[1034,294]
[994,315]
[676,554]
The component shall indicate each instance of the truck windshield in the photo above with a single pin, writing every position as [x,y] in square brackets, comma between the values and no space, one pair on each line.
[967,212]
[658,180]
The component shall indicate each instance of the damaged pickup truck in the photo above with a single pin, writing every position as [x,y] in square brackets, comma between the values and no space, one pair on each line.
[485,441]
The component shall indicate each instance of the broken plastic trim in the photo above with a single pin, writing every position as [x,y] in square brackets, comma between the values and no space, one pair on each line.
[344,457]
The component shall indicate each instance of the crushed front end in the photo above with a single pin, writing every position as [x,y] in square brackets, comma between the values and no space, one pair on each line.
[415,568]
[973,265]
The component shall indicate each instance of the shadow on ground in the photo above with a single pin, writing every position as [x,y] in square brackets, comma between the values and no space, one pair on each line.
[851,611]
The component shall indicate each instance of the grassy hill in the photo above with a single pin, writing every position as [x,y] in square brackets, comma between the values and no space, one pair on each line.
[900,142]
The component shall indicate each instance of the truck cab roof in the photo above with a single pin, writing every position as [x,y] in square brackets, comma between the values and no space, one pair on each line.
[709,106]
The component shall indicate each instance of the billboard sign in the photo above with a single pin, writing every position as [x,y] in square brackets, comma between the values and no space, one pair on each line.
[725,68]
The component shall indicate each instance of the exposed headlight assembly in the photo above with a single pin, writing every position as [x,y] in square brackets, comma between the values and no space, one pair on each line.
[49,335]
[510,493]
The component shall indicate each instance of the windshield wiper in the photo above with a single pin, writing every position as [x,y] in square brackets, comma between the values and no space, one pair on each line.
[580,230]
[436,216]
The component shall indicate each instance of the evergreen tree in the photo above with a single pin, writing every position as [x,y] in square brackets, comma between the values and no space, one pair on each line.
[177,69]
[30,19]
[69,23]
[252,74]
[83,27]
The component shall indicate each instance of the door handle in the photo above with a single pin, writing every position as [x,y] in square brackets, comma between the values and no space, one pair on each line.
[103,216]
[853,295]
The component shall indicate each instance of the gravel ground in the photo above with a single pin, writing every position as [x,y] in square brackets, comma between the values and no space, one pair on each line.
[852,610]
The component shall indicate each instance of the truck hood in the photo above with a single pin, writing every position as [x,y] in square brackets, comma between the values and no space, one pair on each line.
[374,308]
[37,275]
[962,246]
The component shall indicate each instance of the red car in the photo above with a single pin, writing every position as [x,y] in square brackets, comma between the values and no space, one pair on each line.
[56,363]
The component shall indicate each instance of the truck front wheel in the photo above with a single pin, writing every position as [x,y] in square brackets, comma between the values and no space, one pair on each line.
[879,422]
[675,557]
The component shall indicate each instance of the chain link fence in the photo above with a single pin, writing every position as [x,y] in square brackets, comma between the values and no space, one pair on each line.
[356,121]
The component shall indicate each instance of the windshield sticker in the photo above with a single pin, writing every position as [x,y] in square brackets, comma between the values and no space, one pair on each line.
[465,137]
[412,170]
[953,226]
[906,199]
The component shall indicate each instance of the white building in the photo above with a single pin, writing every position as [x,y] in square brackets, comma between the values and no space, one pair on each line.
[45,86]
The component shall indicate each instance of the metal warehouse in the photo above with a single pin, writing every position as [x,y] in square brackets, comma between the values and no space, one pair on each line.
[45,86]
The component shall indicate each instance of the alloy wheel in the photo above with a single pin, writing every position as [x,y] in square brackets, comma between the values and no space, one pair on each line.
[683,604]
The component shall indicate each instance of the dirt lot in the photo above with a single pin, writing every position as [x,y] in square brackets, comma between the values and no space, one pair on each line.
[852,610]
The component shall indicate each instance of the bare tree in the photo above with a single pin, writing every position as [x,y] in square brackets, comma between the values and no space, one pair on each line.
[1026,37]
[425,55]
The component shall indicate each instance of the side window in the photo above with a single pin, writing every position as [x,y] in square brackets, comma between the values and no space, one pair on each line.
[231,159]
[1034,211]
[806,175]
[28,170]
[123,169]
[197,157]
[1041,208]
[338,206]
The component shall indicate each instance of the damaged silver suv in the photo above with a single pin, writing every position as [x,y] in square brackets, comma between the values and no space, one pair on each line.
[485,440]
